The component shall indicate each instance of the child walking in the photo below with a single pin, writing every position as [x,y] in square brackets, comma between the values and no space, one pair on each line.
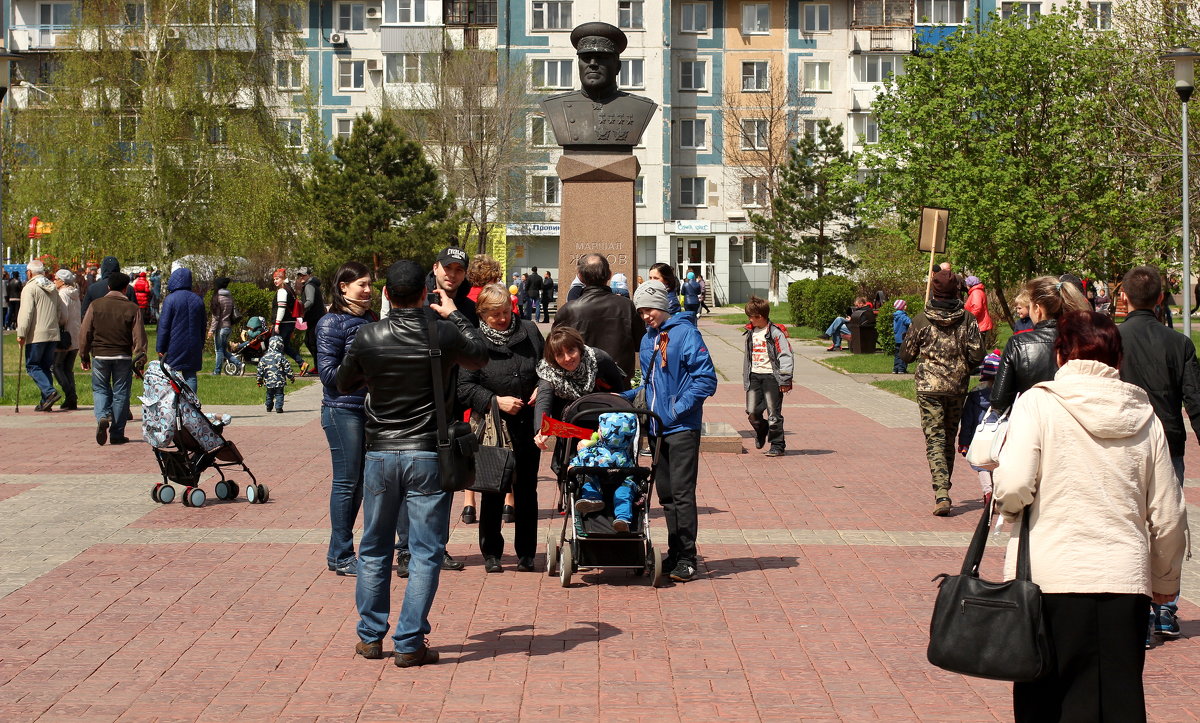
[974,410]
[900,324]
[274,370]
[766,375]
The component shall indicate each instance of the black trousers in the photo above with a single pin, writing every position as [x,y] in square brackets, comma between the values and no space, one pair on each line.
[1099,641]
[525,504]
[64,373]
[678,465]
[310,342]
[764,396]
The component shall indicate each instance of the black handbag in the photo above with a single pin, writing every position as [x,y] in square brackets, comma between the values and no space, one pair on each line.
[991,629]
[64,339]
[456,443]
[495,462]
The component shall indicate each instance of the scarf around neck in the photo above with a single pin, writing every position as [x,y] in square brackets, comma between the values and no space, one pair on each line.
[500,337]
[571,385]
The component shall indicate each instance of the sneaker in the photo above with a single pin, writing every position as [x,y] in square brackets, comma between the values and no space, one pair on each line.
[584,506]
[833,348]
[941,507]
[620,525]
[449,563]
[270,408]
[468,515]
[371,651]
[47,401]
[492,564]
[421,656]
[402,564]
[347,569]
[1167,623]
[776,450]
[102,429]
[525,564]
[760,439]
[683,572]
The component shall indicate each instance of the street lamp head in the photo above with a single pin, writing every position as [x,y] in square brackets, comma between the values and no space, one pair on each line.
[1185,73]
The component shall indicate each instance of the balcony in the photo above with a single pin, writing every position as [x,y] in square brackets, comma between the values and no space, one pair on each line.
[47,38]
[470,12]
[883,40]
[881,14]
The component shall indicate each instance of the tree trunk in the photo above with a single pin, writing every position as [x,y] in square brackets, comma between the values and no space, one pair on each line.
[1003,304]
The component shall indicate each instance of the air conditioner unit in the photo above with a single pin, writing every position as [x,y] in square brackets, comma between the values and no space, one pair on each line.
[373,12]
[337,39]
[735,240]
[173,33]
[373,65]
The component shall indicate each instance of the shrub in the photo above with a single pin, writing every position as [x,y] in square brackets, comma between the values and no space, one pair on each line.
[249,300]
[815,302]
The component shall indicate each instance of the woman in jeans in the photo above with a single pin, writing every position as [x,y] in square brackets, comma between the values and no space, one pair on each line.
[285,317]
[509,381]
[220,313]
[342,415]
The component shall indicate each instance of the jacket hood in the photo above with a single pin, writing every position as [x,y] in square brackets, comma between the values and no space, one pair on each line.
[109,265]
[70,290]
[945,317]
[275,344]
[617,430]
[181,278]
[682,317]
[1093,393]
[224,292]
[43,283]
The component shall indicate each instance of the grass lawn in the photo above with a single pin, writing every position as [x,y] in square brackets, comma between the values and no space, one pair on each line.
[780,314]
[901,386]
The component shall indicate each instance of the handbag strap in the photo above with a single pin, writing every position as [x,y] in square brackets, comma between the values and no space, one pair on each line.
[435,363]
[979,543]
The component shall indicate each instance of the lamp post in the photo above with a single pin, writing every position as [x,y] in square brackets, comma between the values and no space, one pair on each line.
[1185,82]
[5,74]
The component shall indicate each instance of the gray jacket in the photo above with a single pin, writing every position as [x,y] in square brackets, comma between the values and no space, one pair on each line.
[779,349]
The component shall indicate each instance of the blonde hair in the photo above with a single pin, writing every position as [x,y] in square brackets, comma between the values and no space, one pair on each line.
[483,270]
[1055,297]
[491,298]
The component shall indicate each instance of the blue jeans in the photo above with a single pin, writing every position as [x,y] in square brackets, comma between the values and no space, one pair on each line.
[836,330]
[221,344]
[898,364]
[388,478]
[344,431]
[189,378]
[274,398]
[39,362]
[623,498]
[111,381]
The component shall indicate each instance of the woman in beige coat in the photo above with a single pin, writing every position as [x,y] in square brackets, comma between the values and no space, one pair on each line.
[1107,524]
[64,359]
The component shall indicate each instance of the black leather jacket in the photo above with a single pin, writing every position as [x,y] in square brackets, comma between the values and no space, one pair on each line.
[391,357]
[1163,362]
[1028,359]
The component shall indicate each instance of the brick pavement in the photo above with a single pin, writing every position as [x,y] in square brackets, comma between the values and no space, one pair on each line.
[813,604]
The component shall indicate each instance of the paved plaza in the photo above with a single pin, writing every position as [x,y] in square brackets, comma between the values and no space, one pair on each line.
[812,604]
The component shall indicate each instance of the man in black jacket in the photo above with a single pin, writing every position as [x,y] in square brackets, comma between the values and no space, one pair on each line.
[109,265]
[1163,362]
[604,320]
[391,357]
[533,287]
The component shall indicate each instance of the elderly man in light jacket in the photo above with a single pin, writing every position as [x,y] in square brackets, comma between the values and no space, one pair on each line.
[37,331]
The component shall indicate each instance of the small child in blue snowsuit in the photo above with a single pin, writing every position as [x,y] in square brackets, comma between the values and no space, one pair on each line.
[611,446]
[900,324]
[974,410]
[274,370]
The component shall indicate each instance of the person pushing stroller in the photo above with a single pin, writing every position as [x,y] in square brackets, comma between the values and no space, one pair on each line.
[610,447]
[274,370]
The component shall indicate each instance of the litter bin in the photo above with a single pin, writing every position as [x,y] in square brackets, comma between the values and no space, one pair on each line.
[863,333]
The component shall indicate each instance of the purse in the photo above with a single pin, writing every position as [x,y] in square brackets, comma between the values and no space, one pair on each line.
[990,629]
[456,443]
[495,462]
[984,451]
[64,339]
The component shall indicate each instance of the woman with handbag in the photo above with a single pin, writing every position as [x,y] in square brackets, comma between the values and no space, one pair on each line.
[1107,526]
[507,384]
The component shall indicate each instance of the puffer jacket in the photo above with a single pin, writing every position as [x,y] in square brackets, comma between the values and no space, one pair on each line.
[221,311]
[946,339]
[1028,359]
[181,327]
[977,304]
[274,369]
[335,334]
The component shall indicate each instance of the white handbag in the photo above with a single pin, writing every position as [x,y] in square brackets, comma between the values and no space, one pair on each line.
[984,451]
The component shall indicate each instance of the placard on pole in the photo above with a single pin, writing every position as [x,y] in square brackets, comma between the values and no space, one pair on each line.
[931,238]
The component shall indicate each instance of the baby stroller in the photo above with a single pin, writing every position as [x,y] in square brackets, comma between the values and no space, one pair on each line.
[589,541]
[251,350]
[187,442]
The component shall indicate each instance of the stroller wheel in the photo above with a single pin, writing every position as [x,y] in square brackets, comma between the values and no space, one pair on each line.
[656,567]
[265,493]
[551,553]
[154,492]
[187,502]
[194,497]
[566,565]
[230,368]
[222,490]
[234,490]
[164,494]
[252,493]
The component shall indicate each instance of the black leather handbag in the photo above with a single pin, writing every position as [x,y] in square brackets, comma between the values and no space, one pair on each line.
[495,462]
[990,629]
[456,443]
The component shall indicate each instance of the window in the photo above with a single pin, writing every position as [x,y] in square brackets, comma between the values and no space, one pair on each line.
[289,74]
[877,68]
[345,127]
[551,14]
[135,13]
[754,192]
[216,133]
[693,133]
[57,15]
[693,18]
[692,191]
[546,190]
[866,129]
[127,126]
[629,14]
[691,75]
[351,74]
[816,18]
[755,134]
[1026,11]
[289,17]
[350,17]
[541,134]
[1100,16]
[756,18]
[632,73]
[816,77]
[409,67]
[810,128]
[403,11]
[552,74]
[639,191]
[755,251]
[754,75]
[292,130]
[941,12]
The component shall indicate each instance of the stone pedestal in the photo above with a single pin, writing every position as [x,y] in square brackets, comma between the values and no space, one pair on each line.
[597,213]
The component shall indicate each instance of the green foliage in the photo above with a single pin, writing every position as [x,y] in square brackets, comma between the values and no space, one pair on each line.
[888,259]
[814,302]
[887,339]
[813,211]
[251,300]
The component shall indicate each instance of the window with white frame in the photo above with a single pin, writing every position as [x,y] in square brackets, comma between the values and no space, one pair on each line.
[553,73]
[57,17]
[693,191]
[216,133]
[1100,16]
[632,73]
[352,74]
[693,133]
[629,14]
[755,134]
[754,192]
[693,18]
[546,191]
[344,128]
[810,128]
[551,14]
[816,77]
[135,14]
[866,129]
[941,12]
[755,251]
[289,73]
[877,68]
[289,17]
[403,11]
[691,74]
[410,67]
[754,75]
[292,130]
[1027,12]
[351,17]
[816,18]
[541,133]
[639,191]
[756,18]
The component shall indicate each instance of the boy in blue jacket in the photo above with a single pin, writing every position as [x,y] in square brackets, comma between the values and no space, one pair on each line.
[677,376]
[900,324]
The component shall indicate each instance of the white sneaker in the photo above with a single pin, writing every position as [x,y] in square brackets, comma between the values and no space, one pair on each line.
[584,506]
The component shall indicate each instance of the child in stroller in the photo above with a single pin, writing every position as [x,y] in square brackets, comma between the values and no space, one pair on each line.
[253,345]
[611,446]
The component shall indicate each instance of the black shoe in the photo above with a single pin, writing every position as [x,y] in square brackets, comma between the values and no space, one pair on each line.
[402,564]
[525,564]
[370,651]
[102,430]
[279,410]
[422,656]
[468,515]
[118,440]
[776,450]
[683,572]
[760,439]
[492,564]
[508,514]
[68,406]
[47,401]
[449,563]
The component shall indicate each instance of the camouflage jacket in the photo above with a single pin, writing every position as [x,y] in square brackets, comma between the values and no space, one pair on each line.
[949,346]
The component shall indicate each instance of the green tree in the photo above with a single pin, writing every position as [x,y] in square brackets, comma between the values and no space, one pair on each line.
[1009,129]
[379,198]
[812,215]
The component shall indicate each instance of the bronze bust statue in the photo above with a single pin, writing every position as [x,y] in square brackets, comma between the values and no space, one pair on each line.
[599,116]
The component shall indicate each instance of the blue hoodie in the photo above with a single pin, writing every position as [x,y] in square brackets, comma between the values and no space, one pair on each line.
[900,324]
[676,392]
[181,326]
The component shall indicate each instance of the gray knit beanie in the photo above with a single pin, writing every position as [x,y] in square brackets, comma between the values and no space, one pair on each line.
[651,295]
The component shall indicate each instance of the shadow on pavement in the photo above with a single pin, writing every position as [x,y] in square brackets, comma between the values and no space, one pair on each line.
[504,642]
[737,565]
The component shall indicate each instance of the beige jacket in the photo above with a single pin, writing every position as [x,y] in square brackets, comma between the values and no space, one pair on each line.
[41,313]
[68,296]
[1107,513]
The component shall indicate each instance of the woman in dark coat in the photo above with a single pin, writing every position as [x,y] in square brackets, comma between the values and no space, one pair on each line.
[569,370]
[509,381]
